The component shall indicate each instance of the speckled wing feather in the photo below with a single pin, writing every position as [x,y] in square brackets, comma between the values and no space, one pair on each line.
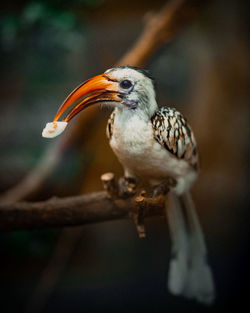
[109,129]
[172,131]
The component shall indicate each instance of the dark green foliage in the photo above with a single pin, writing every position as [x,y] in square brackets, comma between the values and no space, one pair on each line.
[59,19]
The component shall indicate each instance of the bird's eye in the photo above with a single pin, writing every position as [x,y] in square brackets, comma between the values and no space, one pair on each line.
[125,84]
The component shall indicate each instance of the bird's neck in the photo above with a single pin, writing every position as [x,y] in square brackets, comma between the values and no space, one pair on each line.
[144,113]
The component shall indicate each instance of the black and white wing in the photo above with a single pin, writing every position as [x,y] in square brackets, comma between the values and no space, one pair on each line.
[172,131]
[189,273]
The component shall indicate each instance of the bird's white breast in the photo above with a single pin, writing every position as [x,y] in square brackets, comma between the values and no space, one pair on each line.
[141,155]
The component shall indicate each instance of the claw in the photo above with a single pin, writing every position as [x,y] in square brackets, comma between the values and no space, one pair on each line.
[127,187]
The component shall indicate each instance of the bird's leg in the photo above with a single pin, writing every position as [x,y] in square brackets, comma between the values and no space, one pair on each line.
[163,188]
[127,187]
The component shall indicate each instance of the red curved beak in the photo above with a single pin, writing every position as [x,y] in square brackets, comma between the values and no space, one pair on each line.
[97,89]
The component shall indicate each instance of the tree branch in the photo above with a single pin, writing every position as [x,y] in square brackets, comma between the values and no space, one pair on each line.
[159,29]
[71,211]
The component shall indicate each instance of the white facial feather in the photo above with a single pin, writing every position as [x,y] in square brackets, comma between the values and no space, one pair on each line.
[143,87]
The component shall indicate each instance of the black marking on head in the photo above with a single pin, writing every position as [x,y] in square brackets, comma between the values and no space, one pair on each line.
[140,70]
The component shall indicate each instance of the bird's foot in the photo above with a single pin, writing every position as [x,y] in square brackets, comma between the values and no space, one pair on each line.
[127,187]
[163,188]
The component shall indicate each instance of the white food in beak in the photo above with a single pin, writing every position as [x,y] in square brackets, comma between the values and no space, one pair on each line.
[54,129]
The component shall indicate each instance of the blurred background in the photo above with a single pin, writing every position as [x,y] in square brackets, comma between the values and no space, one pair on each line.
[49,47]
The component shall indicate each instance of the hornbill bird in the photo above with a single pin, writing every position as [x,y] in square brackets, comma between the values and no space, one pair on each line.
[153,144]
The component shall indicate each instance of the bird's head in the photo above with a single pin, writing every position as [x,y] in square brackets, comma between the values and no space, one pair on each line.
[125,87]
[135,87]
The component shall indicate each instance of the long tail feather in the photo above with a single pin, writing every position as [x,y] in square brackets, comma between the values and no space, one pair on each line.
[189,273]
[178,269]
